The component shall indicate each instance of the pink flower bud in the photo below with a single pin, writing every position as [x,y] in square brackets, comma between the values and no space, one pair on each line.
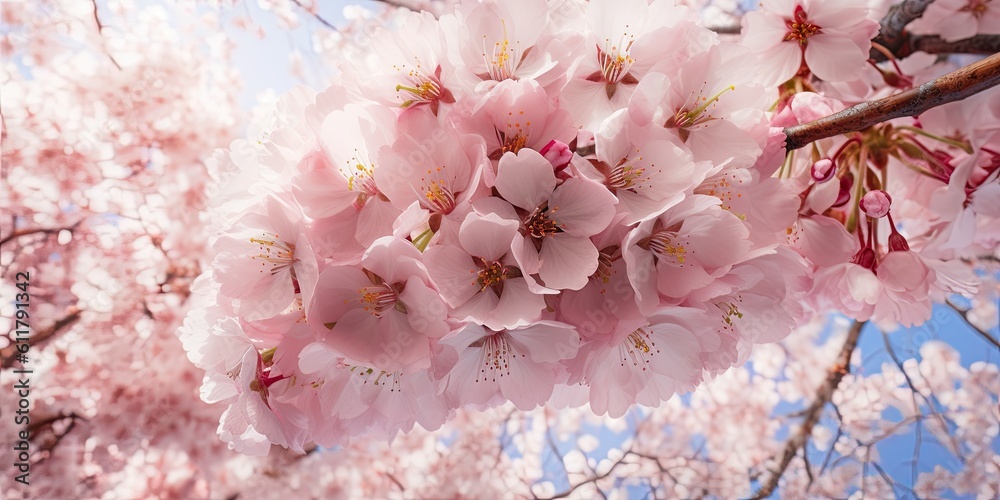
[823,170]
[897,242]
[865,258]
[558,154]
[846,182]
[897,80]
[876,203]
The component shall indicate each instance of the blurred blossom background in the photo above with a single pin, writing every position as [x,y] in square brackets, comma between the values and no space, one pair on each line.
[115,117]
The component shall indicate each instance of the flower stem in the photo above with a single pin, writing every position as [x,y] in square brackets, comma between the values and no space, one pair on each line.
[951,142]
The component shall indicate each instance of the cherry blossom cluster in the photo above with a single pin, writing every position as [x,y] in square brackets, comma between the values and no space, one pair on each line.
[567,202]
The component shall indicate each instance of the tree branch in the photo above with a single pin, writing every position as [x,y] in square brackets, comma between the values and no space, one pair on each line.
[933,44]
[100,32]
[729,29]
[824,393]
[39,338]
[892,29]
[593,479]
[954,86]
[964,313]
[36,230]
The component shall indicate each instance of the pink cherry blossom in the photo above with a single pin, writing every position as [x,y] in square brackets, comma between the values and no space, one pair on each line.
[345,186]
[515,115]
[683,249]
[832,41]
[642,362]
[255,419]
[473,357]
[714,105]
[480,279]
[433,166]
[269,240]
[644,167]
[384,312]
[958,19]
[506,40]
[410,69]
[518,364]
[556,222]
[624,40]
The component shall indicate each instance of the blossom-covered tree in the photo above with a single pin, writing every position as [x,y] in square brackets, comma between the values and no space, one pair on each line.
[526,248]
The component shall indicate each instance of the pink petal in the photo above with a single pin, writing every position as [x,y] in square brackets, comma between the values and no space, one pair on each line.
[487,236]
[375,221]
[582,207]
[517,306]
[862,284]
[336,284]
[526,180]
[547,341]
[834,58]
[679,352]
[478,307]
[528,384]
[316,357]
[426,311]
[453,272]
[567,261]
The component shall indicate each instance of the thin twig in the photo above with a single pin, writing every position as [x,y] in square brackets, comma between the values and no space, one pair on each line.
[100,32]
[927,399]
[824,393]
[964,313]
[394,3]
[954,86]
[730,29]
[36,230]
[593,479]
[315,15]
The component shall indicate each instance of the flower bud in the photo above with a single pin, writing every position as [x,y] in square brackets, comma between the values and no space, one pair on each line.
[823,170]
[865,258]
[846,182]
[897,80]
[876,203]
[558,154]
[897,243]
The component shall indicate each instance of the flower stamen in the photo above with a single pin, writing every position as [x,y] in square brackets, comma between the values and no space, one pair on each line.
[274,251]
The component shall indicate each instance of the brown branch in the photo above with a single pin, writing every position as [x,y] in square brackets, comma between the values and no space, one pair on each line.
[395,481]
[979,44]
[933,44]
[590,480]
[731,29]
[824,393]
[394,3]
[954,86]
[47,422]
[892,33]
[964,313]
[315,15]
[916,392]
[36,230]
[100,32]
[40,338]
